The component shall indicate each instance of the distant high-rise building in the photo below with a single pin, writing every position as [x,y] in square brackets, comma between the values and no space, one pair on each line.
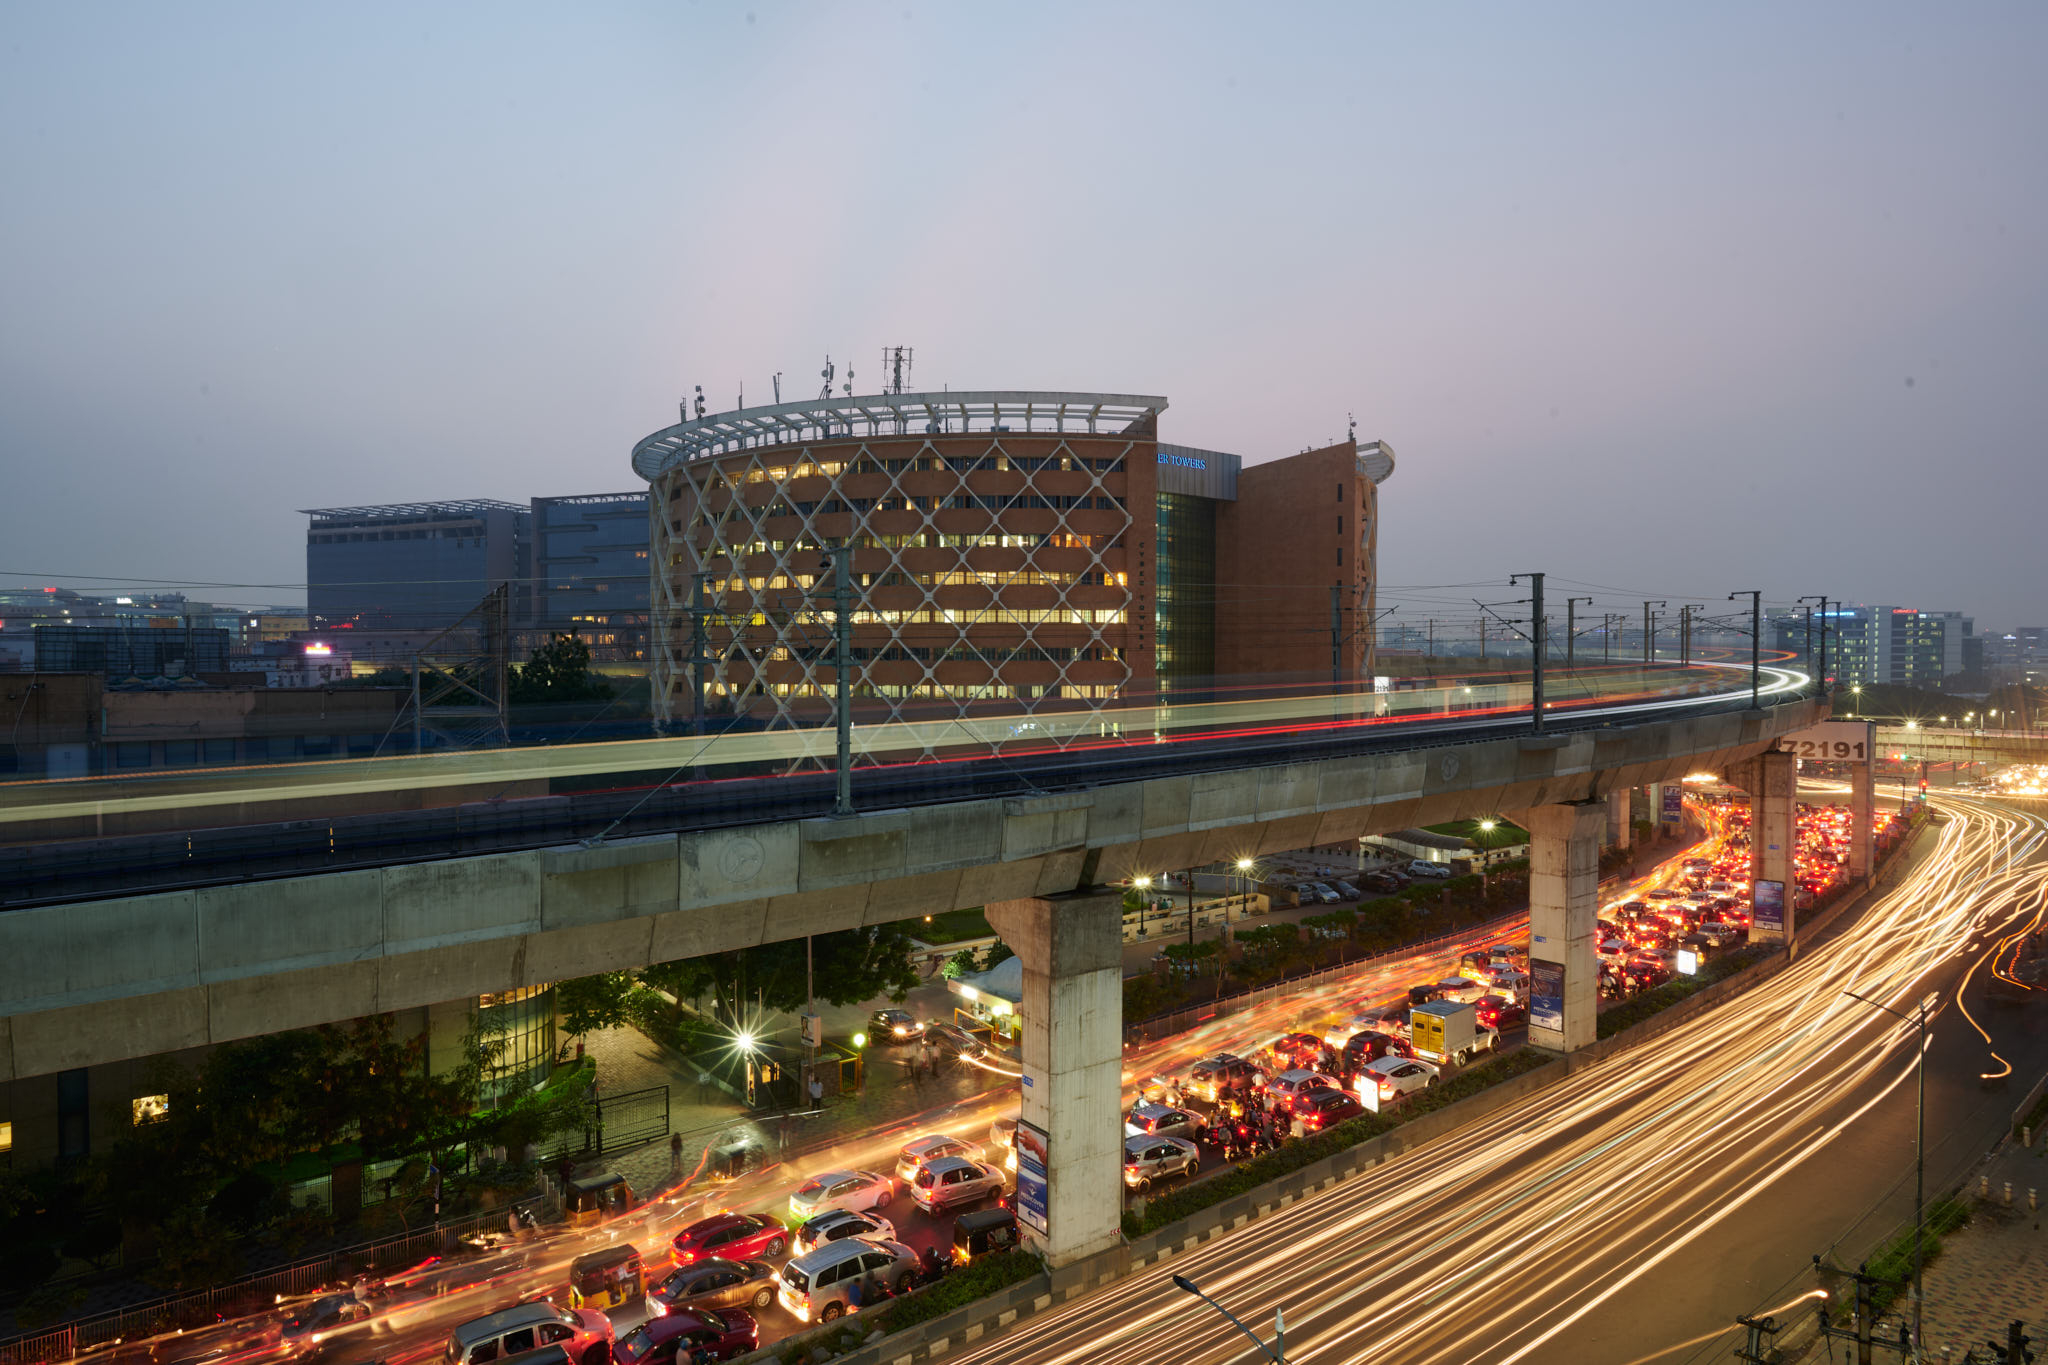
[1902,646]
[590,572]
[415,566]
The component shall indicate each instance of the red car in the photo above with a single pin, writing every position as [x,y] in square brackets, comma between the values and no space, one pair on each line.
[722,1335]
[732,1236]
[1498,1012]
[1304,1050]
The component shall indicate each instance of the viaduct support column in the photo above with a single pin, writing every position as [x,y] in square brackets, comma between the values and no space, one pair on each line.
[1564,905]
[1771,779]
[1862,810]
[1621,829]
[1072,949]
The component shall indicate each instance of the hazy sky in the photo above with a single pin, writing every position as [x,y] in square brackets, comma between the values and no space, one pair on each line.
[1676,298]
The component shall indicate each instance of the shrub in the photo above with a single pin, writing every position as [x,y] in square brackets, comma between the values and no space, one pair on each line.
[1633,1011]
[980,1279]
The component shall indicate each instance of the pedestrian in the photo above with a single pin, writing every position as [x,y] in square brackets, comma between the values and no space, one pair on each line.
[675,1154]
[817,1092]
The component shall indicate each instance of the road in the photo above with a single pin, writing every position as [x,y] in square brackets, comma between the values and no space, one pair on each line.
[413,1325]
[1555,1231]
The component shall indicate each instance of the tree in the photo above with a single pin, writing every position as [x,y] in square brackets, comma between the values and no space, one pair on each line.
[559,671]
[996,952]
[849,967]
[589,1003]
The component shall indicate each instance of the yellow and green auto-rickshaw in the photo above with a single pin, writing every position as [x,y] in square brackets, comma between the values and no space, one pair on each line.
[596,1198]
[608,1278]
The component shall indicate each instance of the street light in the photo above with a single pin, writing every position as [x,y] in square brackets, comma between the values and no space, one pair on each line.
[1919,1148]
[1144,902]
[1275,1353]
[1485,860]
[1856,699]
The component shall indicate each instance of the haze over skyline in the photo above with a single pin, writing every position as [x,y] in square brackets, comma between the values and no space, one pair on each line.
[1667,300]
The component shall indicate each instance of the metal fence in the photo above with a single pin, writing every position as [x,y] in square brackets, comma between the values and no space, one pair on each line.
[246,1295]
[623,1120]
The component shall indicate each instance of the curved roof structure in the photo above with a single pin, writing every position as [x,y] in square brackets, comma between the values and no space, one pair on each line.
[891,414]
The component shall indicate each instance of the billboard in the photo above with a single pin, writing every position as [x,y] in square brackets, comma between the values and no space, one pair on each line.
[1033,1161]
[1674,804]
[1768,913]
[1546,995]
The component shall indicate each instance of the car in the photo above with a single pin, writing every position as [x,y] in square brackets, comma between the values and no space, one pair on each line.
[1322,1109]
[1325,893]
[1392,1076]
[1289,1087]
[821,1286]
[856,1190]
[584,1333]
[954,1181]
[714,1283]
[707,1335]
[931,1146]
[1215,1078]
[1160,1120]
[1347,891]
[1503,979]
[834,1224]
[894,1026]
[732,1236]
[1434,871]
[956,1040]
[1369,1045]
[1392,1021]
[1462,989]
[313,1321]
[1337,1035]
[1382,883]
[1499,1012]
[1720,934]
[1148,1158]
[1298,1049]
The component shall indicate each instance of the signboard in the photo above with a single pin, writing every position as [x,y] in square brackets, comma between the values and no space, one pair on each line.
[1368,1092]
[1033,1161]
[1768,912]
[1674,804]
[1688,962]
[1833,741]
[1546,995]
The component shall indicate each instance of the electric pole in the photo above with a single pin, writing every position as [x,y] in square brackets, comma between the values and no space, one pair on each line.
[1536,645]
[1756,641]
[839,560]
[1819,669]
[1570,635]
[1650,632]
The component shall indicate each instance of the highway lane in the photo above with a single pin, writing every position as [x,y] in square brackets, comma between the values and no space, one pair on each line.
[1535,1235]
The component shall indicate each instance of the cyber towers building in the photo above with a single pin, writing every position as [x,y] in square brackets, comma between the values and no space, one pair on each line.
[1009,551]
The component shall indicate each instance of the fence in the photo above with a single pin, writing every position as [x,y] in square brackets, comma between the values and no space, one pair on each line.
[623,1120]
[203,1307]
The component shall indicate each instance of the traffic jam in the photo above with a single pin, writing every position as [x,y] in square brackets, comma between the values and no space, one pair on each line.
[720,1265]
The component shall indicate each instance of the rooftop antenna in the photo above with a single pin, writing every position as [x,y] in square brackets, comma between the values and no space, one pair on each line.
[743,394]
[700,402]
[1354,426]
[778,388]
[896,364]
[825,393]
[849,379]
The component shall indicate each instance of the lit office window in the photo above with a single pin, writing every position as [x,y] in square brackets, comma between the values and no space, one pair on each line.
[149,1108]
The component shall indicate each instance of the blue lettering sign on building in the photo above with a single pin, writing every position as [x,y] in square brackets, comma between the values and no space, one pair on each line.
[1183,461]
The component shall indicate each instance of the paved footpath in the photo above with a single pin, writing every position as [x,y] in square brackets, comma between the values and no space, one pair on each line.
[1996,1269]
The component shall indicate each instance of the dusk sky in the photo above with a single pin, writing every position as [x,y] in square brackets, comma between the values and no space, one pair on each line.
[1677,299]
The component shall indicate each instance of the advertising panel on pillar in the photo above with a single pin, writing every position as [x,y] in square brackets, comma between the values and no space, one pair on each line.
[1768,914]
[1546,995]
[1674,803]
[1033,1161]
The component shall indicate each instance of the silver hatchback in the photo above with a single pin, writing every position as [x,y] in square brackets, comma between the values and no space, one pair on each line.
[1147,1159]
[953,1181]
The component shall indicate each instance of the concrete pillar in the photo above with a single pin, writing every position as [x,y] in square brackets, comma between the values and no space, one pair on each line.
[1654,798]
[1862,809]
[1771,779]
[1564,905]
[1072,1013]
[1621,830]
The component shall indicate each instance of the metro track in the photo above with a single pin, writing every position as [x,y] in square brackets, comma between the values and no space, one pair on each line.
[43,871]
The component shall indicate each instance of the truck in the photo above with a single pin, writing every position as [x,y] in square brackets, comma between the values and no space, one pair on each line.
[1445,1031]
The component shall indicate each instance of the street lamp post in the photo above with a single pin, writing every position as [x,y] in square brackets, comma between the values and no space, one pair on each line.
[1856,699]
[1275,1353]
[1919,1149]
[1485,860]
[1144,884]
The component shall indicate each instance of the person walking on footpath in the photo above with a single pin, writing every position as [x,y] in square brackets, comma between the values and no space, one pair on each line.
[817,1093]
[675,1155]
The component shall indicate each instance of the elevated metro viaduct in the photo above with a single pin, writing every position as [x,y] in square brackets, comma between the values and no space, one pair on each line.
[101,980]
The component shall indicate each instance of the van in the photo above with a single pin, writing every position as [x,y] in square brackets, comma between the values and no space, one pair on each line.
[819,1285]
[584,1333]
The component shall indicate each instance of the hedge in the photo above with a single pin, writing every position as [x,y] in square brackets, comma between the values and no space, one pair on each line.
[982,1277]
[1893,1262]
[1303,1152]
[1638,1008]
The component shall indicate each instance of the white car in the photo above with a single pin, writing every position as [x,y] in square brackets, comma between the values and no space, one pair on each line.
[1462,989]
[1421,868]
[1325,893]
[837,1224]
[1336,1035]
[1393,1076]
[1288,1087]
[858,1191]
[931,1147]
